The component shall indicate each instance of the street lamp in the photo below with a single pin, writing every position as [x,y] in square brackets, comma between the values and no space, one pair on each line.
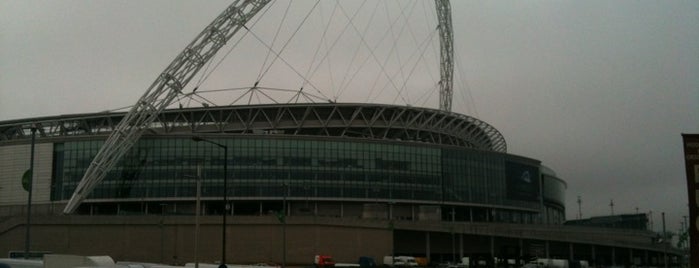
[283,219]
[29,176]
[225,195]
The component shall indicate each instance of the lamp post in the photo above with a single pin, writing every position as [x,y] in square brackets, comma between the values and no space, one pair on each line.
[665,242]
[225,195]
[284,209]
[29,198]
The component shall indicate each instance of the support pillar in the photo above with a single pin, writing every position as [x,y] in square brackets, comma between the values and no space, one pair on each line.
[461,246]
[646,261]
[594,257]
[613,256]
[521,247]
[427,246]
[492,248]
[571,253]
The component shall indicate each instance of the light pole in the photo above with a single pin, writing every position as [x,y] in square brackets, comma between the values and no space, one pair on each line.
[665,242]
[197,212]
[286,193]
[225,195]
[29,198]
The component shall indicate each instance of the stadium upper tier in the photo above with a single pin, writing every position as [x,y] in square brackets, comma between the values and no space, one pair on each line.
[368,121]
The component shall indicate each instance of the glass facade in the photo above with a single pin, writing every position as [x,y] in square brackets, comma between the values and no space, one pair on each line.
[554,198]
[314,169]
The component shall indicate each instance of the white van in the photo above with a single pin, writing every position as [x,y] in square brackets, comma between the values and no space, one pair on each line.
[400,261]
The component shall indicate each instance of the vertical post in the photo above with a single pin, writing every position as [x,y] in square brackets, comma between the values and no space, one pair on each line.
[29,198]
[646,260]
[427,246]
[286,192]
[521,249]
[196,217]
[579,208]
[461,246]
[492,250]
[571,252]
[611,205]
[665,242]
[162,232]
[225,205]
[453,238]
[685,229]
[225,196]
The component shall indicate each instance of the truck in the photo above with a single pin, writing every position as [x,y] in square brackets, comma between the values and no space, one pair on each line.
[323,261]
[400,261]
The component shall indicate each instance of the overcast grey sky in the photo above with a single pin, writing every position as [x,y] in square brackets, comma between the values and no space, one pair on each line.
[597,90]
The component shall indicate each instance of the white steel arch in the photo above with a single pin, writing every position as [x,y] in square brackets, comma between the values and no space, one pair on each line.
[446,43]
[177,75]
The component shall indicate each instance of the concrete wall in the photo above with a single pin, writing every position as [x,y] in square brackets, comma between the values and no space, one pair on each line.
[14,161]
[252,239]
[170,239]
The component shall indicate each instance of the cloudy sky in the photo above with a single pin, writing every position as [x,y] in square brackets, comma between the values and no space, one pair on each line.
[599,91]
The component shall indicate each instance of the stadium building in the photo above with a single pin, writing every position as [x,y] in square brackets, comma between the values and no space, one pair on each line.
[343,179]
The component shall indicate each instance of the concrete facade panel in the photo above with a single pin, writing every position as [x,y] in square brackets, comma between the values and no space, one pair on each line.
[14,161]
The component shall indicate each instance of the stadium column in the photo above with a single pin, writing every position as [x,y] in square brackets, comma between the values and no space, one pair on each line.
[645,257]
[461,246]
[592,252]
[521,247]
[427,246]
[492,248]
[571,254]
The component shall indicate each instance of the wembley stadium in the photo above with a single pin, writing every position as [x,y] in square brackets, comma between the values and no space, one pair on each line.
[343,179]
[338,160]
[284,181]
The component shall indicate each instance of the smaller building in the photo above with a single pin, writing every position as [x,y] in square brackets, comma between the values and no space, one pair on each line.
[623,221]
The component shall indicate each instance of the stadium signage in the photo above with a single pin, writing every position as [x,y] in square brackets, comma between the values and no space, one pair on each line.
[522,181]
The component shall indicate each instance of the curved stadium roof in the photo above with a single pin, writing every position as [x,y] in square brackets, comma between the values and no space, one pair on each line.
[368,121]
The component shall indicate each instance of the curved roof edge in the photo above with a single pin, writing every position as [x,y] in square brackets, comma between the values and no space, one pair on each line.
[373,121]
